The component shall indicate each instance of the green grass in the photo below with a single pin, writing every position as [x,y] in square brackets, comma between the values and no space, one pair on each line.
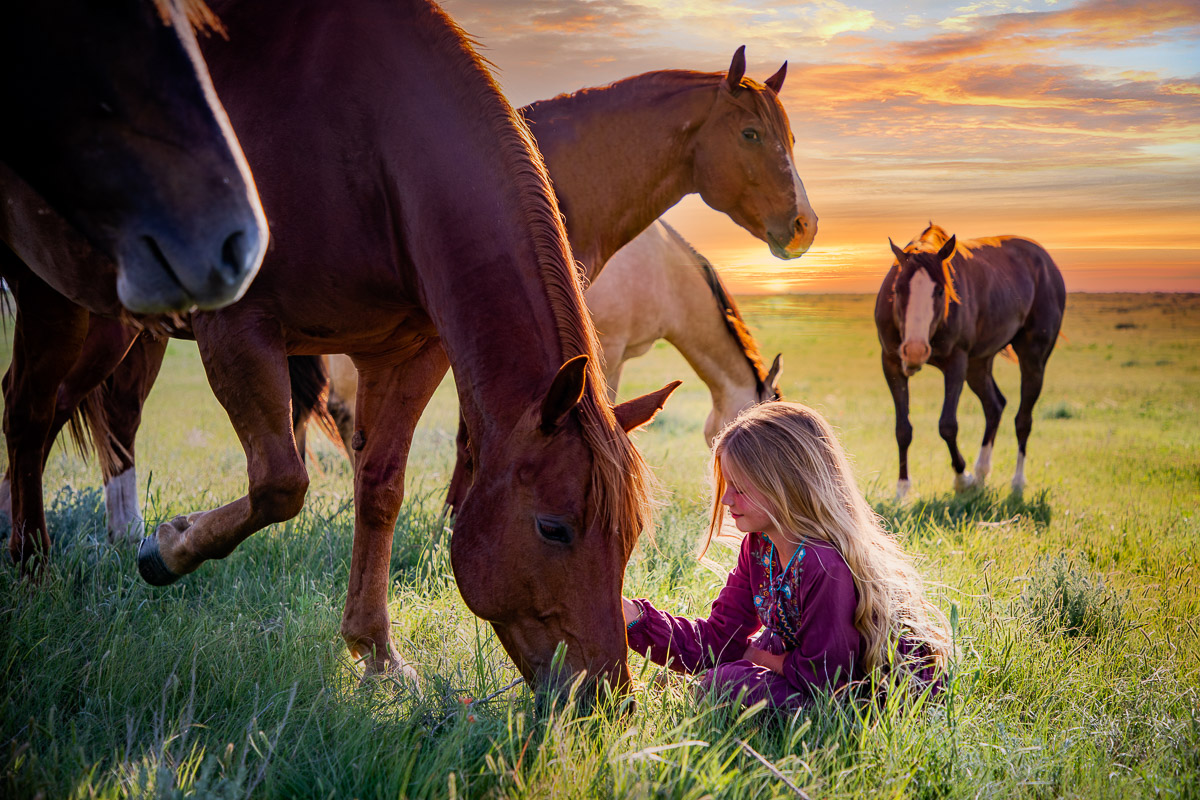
[1077,607]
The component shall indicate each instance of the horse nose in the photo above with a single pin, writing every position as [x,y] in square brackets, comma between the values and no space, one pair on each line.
[914,353]
[238,257]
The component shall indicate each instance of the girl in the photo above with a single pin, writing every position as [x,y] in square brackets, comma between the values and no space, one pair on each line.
[835,595]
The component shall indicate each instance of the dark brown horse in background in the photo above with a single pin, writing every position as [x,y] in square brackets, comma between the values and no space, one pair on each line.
[955,305]
[122,185]
[436,241]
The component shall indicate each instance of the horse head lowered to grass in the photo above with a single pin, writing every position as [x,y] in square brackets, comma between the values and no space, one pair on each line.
[113,139]
[440,245]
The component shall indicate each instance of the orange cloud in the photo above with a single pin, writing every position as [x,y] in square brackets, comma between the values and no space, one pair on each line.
[1093,24]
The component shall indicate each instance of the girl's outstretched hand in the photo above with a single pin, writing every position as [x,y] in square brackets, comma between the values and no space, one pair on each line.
[764,659]
[631,610]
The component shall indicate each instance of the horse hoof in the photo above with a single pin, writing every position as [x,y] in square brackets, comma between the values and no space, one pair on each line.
[151,566]
[963,481]
[902,489]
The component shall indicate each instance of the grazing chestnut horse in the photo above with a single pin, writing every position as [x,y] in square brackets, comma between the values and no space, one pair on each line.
[955,305]
[121,183]
[437,241]
[659,287]
[620,156]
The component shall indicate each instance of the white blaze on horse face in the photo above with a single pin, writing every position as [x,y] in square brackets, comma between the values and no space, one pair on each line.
[918,318]
[803,237]
[125,523]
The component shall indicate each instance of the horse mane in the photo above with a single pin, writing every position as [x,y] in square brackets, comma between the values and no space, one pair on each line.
[931,240]
[621,481]
[613,97]
[730,314]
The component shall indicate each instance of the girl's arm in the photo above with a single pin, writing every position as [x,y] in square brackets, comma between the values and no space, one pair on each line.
[694,645]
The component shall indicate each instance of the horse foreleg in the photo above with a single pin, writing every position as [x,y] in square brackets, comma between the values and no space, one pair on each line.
[390,401]
[124,399]
[897,383]
[979,378]
[47,339]
[464,469]
[954,373]
[247,369]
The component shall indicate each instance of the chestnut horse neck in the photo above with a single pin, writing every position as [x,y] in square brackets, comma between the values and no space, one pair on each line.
[621,154]
[620,479]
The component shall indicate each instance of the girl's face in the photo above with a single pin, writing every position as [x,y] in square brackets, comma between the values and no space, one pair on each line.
[747,507]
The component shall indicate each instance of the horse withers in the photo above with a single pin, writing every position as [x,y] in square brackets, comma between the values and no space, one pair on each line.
[121,183]
[955,305]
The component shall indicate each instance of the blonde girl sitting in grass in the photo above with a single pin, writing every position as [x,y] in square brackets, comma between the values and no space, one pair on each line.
[831,596]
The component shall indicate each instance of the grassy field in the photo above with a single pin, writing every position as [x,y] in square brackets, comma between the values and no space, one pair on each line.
[1077,607]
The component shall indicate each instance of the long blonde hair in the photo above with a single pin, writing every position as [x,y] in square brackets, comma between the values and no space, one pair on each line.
[792,457]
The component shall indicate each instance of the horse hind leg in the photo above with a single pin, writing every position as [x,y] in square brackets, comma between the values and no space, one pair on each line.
[47,339]
[1032,357]
[124,398]
[979,378]
[247,370]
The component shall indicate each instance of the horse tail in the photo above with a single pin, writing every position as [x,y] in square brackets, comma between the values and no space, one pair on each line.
[89,421]
[310,395]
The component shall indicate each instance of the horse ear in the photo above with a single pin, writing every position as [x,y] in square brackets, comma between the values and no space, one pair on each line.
[772,379]
[947,249]
[637,412]
[900,254]
[776,80]
[737,69]
[565,393]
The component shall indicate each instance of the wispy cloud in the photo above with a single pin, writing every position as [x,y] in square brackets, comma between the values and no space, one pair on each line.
[1091,24]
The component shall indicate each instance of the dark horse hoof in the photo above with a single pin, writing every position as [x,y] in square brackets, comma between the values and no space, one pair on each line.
[151,566]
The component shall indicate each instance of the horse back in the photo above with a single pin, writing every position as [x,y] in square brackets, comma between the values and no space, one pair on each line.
[1005,284]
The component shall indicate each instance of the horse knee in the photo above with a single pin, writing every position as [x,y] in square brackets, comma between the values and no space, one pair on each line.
[948,430]
[281,498]
[904,434]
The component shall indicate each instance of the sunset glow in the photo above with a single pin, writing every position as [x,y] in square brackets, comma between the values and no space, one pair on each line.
[1073,123]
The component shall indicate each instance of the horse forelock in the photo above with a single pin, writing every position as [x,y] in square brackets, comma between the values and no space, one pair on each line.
[931,240]
[765,103]
[621,482]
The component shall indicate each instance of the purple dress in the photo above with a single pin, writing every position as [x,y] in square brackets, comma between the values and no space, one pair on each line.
[805,609]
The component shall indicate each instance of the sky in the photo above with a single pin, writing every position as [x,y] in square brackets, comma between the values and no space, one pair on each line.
[1074,123]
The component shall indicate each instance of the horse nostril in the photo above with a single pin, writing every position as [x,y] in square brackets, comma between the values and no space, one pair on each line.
[235,258]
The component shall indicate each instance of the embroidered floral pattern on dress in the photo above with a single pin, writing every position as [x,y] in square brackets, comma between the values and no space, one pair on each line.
[773,596]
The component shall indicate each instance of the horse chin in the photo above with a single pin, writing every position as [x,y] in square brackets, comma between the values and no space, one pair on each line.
[785,252]
[911,369]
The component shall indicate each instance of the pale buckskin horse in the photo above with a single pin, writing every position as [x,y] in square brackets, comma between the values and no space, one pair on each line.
[655,287]
[121,183]
[659,287]
[620,156]
[955,305]
[441,246]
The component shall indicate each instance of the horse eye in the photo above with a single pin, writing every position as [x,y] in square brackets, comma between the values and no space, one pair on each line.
[553,531]
[750,135]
